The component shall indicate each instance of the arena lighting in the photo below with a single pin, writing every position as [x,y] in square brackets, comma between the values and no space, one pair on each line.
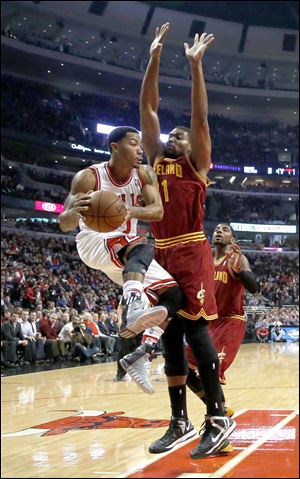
[49,207]
[255,228]
[106,129]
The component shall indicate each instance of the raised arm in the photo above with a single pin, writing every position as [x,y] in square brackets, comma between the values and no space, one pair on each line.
[241,268]
[201,142]
[149,99]
[153,209]
[78,200]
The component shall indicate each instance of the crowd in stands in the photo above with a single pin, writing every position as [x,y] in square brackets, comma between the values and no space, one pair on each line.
[250,208]
[111,53]
[38,168]
[42,110]
[218,206]
[261,187]
[264,325]
[46,284]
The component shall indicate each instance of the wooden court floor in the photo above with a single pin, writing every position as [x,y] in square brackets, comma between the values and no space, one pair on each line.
[79,423]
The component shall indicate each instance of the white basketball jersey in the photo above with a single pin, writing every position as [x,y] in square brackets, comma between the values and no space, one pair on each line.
[130,192]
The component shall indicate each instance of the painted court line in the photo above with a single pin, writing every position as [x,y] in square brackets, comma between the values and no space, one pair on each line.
[249,450]
[135,469]
[157,457]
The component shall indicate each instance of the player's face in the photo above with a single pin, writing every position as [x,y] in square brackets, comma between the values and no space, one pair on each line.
[178,143]
[130,150]
[222,235]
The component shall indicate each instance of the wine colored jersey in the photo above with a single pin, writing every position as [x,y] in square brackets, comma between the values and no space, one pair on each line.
[181,247]
[182,190]
[229,291]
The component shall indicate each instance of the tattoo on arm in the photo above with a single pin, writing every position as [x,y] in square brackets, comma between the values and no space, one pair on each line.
[149,176]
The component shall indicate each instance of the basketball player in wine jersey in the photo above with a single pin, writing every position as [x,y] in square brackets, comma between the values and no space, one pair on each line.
[232,275]
[121,254]
[182,249]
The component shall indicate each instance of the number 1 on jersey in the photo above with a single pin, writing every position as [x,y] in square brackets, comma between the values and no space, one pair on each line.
[164,184]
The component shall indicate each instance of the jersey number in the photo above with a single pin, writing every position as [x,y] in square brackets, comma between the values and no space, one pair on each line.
[164,184]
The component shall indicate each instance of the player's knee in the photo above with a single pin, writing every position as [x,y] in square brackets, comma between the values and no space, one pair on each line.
[175,364]
[202,346]
[139,259]
[172,299]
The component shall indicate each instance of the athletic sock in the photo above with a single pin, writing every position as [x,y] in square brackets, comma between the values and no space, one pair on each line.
[132,286]
[152,335]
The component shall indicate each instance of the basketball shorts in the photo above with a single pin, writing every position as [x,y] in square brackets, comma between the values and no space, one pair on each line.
[191,265]
[227,335]
[100,253]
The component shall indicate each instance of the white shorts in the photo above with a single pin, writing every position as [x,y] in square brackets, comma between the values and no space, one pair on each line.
[101,253]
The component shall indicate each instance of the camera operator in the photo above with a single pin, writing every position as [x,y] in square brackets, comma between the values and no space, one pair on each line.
[82,347]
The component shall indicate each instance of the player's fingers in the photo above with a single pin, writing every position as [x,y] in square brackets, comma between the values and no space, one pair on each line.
[209,41]
[208,37]
[236,248]
[186,46]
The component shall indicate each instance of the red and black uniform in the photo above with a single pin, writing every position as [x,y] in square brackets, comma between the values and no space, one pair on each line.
[228,330]
[180,244]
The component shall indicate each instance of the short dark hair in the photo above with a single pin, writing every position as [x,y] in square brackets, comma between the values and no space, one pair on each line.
[117,134]
[233,232]
[231,229]
[184,128]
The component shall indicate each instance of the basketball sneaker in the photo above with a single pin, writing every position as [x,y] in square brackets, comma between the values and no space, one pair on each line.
[228,412]
[217,430]
[121,376]
[136,318]
[179,430]
[138,366]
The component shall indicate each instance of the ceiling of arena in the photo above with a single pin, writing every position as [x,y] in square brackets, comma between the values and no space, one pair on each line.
[280,14]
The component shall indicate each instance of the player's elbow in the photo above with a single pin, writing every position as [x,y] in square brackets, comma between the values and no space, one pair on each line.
[159,214]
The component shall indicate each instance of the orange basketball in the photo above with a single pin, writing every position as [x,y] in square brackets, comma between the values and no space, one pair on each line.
[106,212]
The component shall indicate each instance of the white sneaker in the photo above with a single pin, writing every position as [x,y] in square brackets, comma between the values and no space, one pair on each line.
[138,318]
[138,366]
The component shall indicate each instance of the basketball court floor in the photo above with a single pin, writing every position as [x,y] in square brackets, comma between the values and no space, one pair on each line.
[77,422]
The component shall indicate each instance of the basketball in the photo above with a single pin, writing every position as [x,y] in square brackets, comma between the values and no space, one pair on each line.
[106,212]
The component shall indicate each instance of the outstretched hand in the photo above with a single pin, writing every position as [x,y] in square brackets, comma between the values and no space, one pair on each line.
[157,43]
[196,52]
[234,256]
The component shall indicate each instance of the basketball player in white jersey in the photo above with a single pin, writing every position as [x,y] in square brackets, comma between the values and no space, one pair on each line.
[122,255]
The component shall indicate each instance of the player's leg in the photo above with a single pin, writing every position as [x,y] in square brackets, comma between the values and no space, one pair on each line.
[137,363]
[139,318]
[217,425]
[126,346]
[180,428]
[135,316]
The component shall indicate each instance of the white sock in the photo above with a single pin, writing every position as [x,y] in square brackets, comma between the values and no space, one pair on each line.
[152,335]
[132,287]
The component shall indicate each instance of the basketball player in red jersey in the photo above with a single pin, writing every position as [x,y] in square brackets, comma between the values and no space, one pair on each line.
[121,254]
[183,250]
[232,275]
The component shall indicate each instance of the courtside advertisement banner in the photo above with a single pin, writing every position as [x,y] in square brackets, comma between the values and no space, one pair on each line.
[49,207]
